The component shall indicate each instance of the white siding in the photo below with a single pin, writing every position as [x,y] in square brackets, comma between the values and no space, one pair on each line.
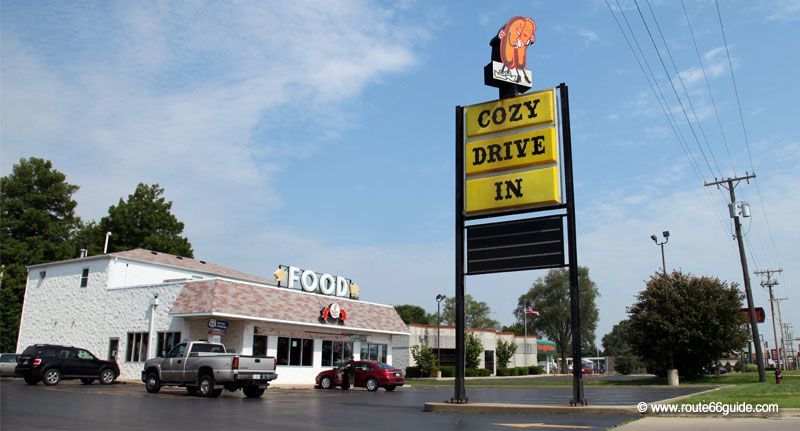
[125,273]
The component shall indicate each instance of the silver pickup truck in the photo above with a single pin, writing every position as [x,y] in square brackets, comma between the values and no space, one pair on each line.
[205,368]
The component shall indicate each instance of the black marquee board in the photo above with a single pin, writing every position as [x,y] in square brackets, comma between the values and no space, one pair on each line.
[518,245]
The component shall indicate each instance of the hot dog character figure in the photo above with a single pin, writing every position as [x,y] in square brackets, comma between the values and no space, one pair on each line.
[514,40]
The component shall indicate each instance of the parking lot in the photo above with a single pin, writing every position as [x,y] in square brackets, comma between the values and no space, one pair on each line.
[72,406]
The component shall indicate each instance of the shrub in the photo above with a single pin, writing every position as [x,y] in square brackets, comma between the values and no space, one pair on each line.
[535,370]
[425,359]
[477,372]
[522,371]
[485,372]
[473,350]
[412,372]
[502,372]
[513,371]
[750,368]
[505,350]
[448,370]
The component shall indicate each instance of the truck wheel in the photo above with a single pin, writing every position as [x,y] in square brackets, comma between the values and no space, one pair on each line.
[152,382]
[191,390]
[107,376]
[252,391]
[372,384]
[207,387]
[51,377]
[326,383]
[31,380]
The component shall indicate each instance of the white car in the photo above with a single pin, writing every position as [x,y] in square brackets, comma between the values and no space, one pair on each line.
[8,361]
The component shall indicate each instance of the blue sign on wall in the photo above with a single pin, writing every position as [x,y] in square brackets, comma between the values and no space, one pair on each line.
[218,324]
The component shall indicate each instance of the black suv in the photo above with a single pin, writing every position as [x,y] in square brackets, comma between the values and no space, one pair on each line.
[51,364]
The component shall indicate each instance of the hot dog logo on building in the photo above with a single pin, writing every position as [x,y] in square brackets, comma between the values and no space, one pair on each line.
[313,282]
[333,313]
[514,39]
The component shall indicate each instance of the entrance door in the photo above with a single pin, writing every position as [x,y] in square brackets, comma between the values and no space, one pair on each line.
[488,359]
[259,345]
[113,349]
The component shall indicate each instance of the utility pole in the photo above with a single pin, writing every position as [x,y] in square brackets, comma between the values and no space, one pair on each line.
[768,284]
[730,184]
[783,334]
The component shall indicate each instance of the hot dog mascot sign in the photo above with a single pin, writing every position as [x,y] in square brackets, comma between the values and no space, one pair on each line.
[509,55]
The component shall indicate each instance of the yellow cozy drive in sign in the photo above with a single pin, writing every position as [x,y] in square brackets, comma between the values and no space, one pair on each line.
[514,190]
[506,114]
[511,152]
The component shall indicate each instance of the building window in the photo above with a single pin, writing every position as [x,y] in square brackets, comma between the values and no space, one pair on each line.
[295,351]
[166,341]
[373,352]
[336,353]
[137,347]
[85,277]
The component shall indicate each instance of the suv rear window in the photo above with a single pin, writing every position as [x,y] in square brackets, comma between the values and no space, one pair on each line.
[43,351]
[8,358]
[207,348]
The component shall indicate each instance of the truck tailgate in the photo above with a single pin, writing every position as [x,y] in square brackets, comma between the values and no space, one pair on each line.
[256,364]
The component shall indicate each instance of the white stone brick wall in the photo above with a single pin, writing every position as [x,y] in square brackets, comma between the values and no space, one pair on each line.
[57,310]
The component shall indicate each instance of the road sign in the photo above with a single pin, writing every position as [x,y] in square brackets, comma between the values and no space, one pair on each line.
[520,150]
[760,314]
[508,114]
[516,245]
[514,190]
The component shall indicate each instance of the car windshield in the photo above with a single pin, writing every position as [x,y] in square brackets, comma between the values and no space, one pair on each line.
[385,366]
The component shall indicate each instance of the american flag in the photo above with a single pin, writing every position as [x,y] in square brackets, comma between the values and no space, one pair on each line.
[530,310]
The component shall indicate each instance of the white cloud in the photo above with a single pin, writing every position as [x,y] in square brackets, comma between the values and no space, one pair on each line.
[195,97]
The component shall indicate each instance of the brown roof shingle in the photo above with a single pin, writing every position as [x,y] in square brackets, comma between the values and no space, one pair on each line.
[275,303]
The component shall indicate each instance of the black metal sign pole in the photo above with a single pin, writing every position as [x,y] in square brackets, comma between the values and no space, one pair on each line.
[574,289]
[459,392]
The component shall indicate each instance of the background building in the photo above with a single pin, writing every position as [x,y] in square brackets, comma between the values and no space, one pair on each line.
[137,304]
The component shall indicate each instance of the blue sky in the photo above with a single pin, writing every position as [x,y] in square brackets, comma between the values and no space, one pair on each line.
[320,134]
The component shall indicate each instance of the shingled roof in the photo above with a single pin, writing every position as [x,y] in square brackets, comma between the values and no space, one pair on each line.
[201,266]
[222,297]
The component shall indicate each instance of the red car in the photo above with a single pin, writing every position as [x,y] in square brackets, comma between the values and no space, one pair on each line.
[365,374]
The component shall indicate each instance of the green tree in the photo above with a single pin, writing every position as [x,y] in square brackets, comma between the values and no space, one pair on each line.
[686,322]
[617,344]
[144,220]
[550,297]
[473,349]
[414,314]
[425,358]
[37,222]
[516,328]
[476,314]
[505,350]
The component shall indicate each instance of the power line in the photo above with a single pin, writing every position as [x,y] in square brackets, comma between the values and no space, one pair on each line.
[708,86]
[656,89]
[685,91]
[744,130]
[672,85]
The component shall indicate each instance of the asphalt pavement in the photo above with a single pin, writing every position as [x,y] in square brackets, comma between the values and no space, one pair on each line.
[72,406]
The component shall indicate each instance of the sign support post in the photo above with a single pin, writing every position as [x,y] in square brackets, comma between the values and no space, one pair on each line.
[459,392]
[574,288]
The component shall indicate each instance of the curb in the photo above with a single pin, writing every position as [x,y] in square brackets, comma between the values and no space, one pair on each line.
[527,408]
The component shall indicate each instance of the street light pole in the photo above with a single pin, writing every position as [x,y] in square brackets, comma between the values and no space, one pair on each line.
[439,299]
[666,240]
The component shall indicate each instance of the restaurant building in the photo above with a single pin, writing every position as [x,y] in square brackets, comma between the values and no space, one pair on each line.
[137,304]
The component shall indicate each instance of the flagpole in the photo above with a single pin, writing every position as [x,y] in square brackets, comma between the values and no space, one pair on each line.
[525,324]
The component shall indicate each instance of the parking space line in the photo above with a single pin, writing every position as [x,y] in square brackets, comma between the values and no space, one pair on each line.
[544,425]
